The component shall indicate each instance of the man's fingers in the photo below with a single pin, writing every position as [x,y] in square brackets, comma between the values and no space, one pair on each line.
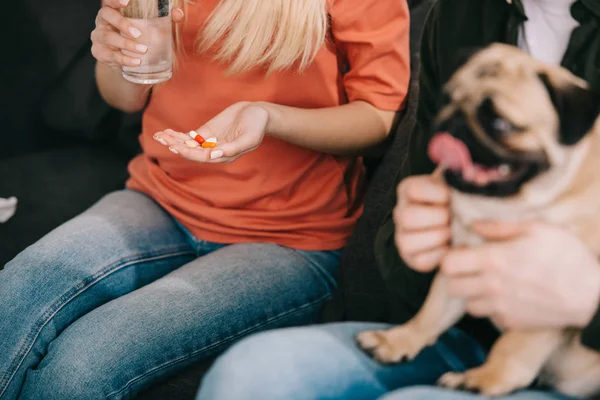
[427,261]
[480,307]
[418,242]
[424,189]
[467,286]
[417,217]
[464,261]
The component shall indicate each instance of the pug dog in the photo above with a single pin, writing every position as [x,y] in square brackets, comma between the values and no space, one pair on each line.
[517,140]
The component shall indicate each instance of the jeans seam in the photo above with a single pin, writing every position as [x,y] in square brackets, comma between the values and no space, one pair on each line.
[63,300]
[217,344]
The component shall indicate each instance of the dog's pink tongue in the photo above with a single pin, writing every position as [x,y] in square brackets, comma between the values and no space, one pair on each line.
[446,150]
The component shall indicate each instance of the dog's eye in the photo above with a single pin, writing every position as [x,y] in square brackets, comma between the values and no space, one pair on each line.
[503,126]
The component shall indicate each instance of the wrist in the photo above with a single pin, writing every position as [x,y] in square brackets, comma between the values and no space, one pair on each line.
[274,112]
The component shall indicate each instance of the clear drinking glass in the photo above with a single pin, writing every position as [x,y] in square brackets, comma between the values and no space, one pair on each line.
[153,19]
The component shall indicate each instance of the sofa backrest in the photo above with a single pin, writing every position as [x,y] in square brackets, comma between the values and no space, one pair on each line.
[48,92]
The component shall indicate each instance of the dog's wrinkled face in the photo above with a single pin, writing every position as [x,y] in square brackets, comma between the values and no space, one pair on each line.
[508,119]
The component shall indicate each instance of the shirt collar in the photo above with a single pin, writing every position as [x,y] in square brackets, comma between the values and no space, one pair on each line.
[592,5]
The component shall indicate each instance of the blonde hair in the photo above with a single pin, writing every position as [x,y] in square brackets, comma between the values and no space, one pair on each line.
[247,34]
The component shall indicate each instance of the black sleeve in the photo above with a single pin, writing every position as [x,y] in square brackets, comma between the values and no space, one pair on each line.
[590,337]
[406,288]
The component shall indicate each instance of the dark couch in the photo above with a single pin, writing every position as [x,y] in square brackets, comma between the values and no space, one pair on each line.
[62,148]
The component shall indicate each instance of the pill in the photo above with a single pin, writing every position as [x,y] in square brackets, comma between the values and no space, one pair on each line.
[209,145]
[191,143]
[197,137]
[212,140]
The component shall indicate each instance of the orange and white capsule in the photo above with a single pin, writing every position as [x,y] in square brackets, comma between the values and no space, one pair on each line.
[197,137]
[209,145]
[211,140]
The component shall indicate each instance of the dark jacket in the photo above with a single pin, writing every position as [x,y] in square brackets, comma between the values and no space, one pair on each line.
[453,30]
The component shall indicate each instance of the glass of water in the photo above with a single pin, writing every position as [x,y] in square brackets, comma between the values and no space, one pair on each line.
[153,19]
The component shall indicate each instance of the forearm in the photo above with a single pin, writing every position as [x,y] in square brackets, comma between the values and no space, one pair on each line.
[118,92]
[345,130]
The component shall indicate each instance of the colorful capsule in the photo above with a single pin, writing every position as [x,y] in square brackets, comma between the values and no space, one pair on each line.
[197,137]
[209,145]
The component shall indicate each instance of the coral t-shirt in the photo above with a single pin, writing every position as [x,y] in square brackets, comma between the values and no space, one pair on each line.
[279,193]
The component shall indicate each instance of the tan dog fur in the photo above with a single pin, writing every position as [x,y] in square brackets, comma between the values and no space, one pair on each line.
[568,195]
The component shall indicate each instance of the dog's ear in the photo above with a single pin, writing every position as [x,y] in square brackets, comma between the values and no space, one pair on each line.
[577,109]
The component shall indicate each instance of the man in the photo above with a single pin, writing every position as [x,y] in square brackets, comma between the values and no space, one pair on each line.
[509,281]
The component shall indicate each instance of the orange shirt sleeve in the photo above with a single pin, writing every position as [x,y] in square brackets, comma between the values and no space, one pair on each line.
[373,37]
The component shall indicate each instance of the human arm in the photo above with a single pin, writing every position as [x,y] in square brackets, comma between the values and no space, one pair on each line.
[118,92]
[374,40]
[114,33]
[344,130]
[528,275]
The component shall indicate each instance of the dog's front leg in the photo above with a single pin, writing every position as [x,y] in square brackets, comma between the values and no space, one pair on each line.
[514,362]
[440,312]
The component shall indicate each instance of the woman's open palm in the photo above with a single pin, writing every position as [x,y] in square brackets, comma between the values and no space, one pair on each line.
[238,129]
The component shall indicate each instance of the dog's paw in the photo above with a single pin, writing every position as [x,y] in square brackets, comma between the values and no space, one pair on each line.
[486,381]
[391,346]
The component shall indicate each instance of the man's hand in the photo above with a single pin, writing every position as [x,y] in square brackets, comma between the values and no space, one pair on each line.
[422,220]
[529,275]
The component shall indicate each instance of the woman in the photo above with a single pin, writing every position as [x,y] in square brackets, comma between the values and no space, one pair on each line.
[208,245]
[507,280]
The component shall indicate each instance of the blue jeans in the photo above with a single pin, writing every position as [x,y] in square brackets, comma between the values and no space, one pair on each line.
[122,296]
[323,362]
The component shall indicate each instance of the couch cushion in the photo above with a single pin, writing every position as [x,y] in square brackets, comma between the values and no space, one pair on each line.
[53,187]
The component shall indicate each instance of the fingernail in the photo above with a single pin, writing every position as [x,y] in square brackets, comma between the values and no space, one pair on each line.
[141,48]
[173,150]
[135,32]
[136,61]
[216,154]
[191,143]
[160,140]
[124,2]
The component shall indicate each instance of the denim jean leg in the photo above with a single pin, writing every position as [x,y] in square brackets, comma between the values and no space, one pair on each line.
[433,393]
[122,243]
[323,362]
[187,316]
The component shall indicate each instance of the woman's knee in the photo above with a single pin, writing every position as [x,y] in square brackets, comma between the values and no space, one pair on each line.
[86,361]
[71,377]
